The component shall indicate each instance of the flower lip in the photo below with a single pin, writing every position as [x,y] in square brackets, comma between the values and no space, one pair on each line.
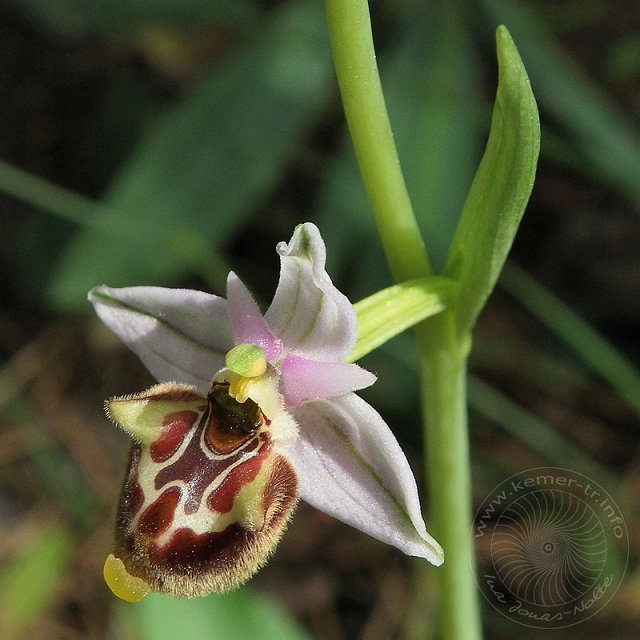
[207,495]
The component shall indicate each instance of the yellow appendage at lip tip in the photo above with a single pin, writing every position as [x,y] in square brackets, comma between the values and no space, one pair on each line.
[121,582]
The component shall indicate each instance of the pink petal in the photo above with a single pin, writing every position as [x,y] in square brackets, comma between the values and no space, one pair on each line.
[247,323]
[305,380]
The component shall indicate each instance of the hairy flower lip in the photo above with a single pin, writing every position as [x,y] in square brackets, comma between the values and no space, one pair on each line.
[205,500]
[347,460]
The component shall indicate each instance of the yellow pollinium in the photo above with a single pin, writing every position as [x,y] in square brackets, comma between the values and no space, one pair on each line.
[122,583]
[239,388]
[245,363]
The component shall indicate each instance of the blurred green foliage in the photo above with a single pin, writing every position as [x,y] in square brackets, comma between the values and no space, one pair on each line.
[240,614]
[30,580]
[174,186]
[166,142]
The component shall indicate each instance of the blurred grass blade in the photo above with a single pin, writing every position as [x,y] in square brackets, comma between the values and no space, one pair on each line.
[243,614]
[586,342]
[537,434]
[30,582]
[209,161]
[387,313]
[606,141]
[500,190]
[43,194]
[179,242]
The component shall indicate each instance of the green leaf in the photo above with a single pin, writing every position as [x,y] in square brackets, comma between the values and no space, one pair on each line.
[30,581]
[244,614]
[500,189]
[210,161]
[605,141]
[387,313]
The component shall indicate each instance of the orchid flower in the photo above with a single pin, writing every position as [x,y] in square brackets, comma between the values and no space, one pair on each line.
[252,412]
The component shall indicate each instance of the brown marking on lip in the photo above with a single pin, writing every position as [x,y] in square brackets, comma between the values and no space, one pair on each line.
[175,427]
[157,517]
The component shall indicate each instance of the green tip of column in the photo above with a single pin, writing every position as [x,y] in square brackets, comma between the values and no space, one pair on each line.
[246,360]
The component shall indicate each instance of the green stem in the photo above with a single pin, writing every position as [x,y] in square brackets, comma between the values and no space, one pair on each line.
[443,355]
[443,365]
[366,113]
